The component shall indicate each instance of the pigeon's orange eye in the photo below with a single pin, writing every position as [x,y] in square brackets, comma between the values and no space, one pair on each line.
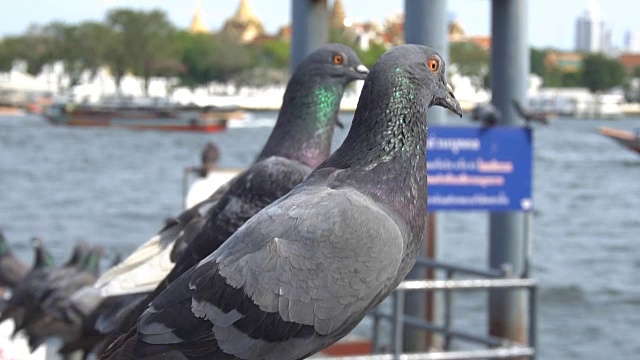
[338,59]
[433,65]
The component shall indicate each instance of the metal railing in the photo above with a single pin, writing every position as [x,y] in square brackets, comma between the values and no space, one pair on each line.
[498,348]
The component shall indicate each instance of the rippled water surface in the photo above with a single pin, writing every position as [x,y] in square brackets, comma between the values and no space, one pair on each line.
[115,187]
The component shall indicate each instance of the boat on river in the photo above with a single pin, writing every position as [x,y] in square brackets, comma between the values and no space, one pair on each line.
[167,118]
[625,138]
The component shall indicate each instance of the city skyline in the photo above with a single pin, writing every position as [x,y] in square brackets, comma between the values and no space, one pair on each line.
[550,23]
[592,32]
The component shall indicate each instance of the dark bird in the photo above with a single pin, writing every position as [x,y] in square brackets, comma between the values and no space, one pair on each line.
[12,269]
[48,317]
[486,114]
[303,272]
[300,140]
[530,116]
[22,295]
[42,286]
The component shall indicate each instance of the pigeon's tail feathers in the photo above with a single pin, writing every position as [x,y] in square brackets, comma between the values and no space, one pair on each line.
[121,348]
[143,269]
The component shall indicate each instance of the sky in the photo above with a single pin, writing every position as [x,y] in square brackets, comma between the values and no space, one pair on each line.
[551,23]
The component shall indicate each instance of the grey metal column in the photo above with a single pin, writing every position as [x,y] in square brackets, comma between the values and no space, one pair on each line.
[509,75]
[309,28]
[425,23]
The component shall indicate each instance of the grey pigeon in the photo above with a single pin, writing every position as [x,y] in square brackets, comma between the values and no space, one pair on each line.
[530,116]
[12,269]
[23,293]
[53,297]
[486,114]
[300,140]
[41,284]
[303,272]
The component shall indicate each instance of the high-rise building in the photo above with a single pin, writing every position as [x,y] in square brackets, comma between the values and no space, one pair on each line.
[592,35]
[632,42]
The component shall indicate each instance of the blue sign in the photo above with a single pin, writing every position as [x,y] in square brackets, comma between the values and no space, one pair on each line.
[471,168]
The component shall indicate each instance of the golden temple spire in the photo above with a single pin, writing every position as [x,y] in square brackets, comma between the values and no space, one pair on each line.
[197,23]
[245,13]
[244,26]
[337,16]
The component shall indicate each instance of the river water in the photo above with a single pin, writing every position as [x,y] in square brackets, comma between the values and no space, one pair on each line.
[115,187]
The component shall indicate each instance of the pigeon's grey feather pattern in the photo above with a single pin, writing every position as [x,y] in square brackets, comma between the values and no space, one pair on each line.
[302,272]
[314,276]
[300,140]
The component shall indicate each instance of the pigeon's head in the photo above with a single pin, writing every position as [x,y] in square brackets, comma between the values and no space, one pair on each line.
[333,61]
[423,68]
[36,242]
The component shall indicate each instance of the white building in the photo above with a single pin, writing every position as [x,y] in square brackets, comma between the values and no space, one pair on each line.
[592,35]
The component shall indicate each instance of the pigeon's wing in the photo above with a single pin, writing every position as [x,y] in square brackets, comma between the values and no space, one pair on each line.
[114,310]
[260,185]
[301,273]
[143,269]
[151,262]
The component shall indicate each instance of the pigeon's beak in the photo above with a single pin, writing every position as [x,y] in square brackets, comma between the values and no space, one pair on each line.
[360,72]
[446,99]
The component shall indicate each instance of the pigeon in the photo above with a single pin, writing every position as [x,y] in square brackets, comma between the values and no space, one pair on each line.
[486,114]
[46,317]
[22,294]
[303,272]
[209,177]
[300,140]
[12,269]
[528,115]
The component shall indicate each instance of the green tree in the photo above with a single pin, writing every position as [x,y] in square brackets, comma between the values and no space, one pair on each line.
[372,54]
[65,47]
[601,73]
[471,60]
[231,59]
[35,48]
[144,41]
[93,44]
[537,61]
[275,53]
[198,55]
[8,53]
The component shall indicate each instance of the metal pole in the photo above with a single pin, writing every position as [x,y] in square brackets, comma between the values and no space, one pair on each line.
[309,28]
[426,23]
[398,323]
[509,74]
[528,243]
[533,326]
